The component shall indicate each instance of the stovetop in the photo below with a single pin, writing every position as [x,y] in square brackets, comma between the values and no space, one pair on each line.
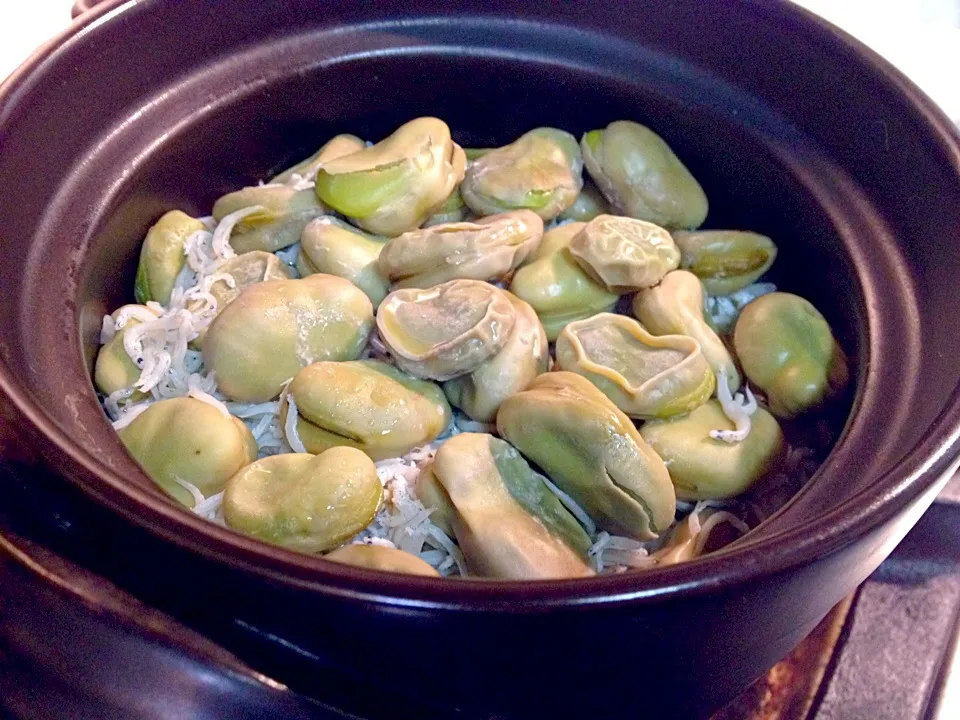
[890,650]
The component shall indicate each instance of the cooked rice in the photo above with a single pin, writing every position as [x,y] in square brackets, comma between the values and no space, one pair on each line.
[158,342]
[725,309]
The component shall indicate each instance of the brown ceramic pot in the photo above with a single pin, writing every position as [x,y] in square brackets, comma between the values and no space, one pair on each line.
[794,129]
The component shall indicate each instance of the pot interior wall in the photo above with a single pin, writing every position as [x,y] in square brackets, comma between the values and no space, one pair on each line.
[201,117]
[182,152]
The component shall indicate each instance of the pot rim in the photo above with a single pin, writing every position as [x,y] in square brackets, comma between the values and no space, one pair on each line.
[912,476]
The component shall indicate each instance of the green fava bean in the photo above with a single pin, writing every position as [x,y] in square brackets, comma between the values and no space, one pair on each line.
[554,240]
[365,404]
[114,370]
[245,270]
[704,468]
[526,355]
[273,329]
[334,247]
[589,204]
[644,375]
[675,307]
[285,212]
[540,171]
[378,557]
[556,287]
[486,249]
[642,177]
[162,257]
[447,330]
[591,451]
[507,522]
[336,147]
[476,153]
[188,440]
[395,185]
[304,502]
[433,497]
[787,349]
[725,260]
[453,210]
[624,254]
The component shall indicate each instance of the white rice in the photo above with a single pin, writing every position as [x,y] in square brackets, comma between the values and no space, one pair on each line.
[404,522]
[725,309]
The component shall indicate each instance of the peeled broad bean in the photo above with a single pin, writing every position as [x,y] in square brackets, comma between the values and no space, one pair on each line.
[624,254]
[592,451]
[379,557]
[114,369]
[454,209]
[187,439]
[641,176]
[447,330]
[273,329]
[508,524]
[279,223]
[245,270]
[646,376]
[525,355]
[368,405]
[485,249]
[675,307]
[162,257]
[725,260]
[556,287]
[589,204]
[704,468]
[540,171]
[337,146]
[787,349]
[331,246]
[433,497]
[395,185]
[305,502]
